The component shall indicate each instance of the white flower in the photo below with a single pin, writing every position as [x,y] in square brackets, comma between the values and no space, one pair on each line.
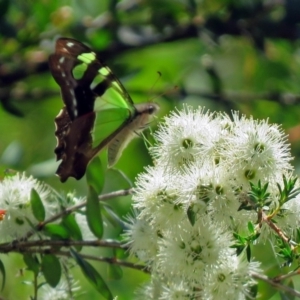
[63,291]
[183,138]
[178,290]
[229,278]
[192,248]
[196,186]
[256,150]
[142,239]
[15,201]
[155,198]
[150,291]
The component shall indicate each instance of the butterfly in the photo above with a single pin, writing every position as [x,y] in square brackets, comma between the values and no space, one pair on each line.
[98,112]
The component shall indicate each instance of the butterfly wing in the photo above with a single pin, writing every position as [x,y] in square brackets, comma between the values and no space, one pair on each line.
[93,97]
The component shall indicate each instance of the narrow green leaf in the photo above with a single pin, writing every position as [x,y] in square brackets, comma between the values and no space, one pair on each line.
[32,263]
[117,179]
[93,213]
[191,215]
[251,227]
[252,292]
[2,270]
[51,269]
[120,253]
[69,222]
[115,272]
[56,231]
[37,206]
[93,276]
[95,175]
[111,216]
[248,252]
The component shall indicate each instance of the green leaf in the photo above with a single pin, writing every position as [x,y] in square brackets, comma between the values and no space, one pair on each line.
[95,175]
[92,276]
[111,216]
[13,154]
[248,252]
[37,206]
[51,269]
[117,180]
[93,213]
[2,270]
[56,231]
[251,227]
[191,215]
[32,263]
[120,253]
[69,222]
[252,292]
[115,272]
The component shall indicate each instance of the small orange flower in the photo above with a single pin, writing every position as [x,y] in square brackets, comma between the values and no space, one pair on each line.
[2,214]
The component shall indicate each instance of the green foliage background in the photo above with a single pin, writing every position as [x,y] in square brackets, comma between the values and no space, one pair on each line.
[222,54]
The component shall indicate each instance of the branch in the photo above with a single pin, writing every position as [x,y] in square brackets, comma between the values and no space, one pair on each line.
[71,209]
[273,226]
[285,276]
[22,246]
[274,283]
[110,260]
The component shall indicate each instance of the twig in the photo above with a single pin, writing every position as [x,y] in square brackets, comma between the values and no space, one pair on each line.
[285,276]
[273,226]
[275,284]
[21,245]
[110,260]
[71,209]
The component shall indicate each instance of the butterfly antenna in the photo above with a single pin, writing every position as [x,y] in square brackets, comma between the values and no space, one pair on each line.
[169,91]
[153,85]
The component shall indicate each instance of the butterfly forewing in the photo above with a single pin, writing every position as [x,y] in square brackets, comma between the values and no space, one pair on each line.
[72,59]
[76,91]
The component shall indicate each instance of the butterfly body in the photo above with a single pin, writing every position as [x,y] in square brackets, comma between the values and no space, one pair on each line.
[94,99]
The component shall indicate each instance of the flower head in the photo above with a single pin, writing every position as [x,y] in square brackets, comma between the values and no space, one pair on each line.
[15,201]
[203,190]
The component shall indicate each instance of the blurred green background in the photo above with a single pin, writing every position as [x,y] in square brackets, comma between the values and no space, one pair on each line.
[222,54]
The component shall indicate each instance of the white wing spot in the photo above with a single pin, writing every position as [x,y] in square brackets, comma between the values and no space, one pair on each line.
[61,60]
[70,44]
[63,74]
[75,112]
[73,98]
[58,66]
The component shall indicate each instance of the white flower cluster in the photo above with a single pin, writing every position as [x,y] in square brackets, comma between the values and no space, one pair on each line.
[187,204]
[17,215]
[17,219]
